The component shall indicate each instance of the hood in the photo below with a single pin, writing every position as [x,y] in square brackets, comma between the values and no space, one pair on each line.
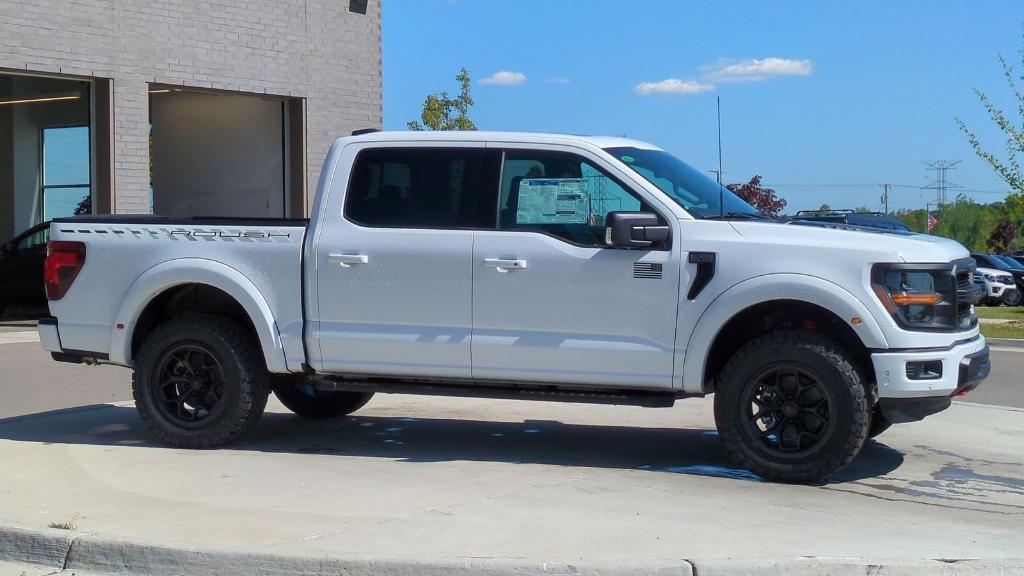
[994,272]
[876,244]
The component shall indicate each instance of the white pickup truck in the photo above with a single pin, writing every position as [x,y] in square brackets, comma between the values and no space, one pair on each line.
[532,266]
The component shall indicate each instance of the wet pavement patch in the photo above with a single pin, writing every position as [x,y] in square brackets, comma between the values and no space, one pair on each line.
[715,471]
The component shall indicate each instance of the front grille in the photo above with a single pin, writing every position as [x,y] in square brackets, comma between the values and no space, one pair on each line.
[963,279]
[966,293]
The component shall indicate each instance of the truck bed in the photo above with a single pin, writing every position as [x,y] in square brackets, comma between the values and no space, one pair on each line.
[132,259]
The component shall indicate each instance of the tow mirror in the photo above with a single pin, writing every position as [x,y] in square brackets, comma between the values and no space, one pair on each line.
[634,230]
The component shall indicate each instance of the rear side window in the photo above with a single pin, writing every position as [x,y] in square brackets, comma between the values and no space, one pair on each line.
[422,188]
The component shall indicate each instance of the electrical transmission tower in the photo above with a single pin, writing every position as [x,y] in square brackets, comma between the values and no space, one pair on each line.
[941,185]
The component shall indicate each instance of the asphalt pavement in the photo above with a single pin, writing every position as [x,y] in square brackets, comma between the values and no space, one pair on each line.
[434,480]
[31,382]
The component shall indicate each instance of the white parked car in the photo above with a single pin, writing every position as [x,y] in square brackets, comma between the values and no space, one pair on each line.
[531,266]
[999,287]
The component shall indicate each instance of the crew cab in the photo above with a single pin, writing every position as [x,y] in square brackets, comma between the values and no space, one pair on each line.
[532,266]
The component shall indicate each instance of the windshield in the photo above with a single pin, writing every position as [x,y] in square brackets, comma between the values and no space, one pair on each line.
[1010,262]
[688,187]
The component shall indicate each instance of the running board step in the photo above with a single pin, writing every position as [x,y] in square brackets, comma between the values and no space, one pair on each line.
[548,394]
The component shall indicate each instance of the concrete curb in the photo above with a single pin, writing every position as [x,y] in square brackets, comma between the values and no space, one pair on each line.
[63,550]
[46,547]
[1011,342]
[859,567]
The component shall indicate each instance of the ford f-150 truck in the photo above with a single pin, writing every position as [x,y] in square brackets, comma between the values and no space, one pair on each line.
[533,266]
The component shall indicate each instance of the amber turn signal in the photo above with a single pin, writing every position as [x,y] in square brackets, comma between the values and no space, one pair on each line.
[905,298]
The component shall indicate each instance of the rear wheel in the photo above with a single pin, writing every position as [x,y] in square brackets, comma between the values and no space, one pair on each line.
[199,381]
[303,400]
[791,407]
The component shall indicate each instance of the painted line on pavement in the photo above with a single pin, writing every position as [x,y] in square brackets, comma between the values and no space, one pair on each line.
[18,337]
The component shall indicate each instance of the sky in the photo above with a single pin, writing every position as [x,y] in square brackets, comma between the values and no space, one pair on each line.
[825,100]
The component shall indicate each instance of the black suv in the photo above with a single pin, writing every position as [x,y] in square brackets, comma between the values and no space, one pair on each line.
[21,267]
[852,218]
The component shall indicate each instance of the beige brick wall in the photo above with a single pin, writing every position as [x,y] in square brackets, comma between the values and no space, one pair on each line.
[314,49]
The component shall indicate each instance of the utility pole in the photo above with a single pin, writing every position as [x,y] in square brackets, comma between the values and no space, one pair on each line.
[885,196]
[718,175]
[941,184]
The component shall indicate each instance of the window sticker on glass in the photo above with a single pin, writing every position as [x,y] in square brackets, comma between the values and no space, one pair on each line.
[553,201]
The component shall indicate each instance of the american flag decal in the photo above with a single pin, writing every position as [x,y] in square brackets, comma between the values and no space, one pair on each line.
[647,270]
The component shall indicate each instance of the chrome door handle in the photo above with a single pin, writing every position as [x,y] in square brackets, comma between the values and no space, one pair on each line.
[347,260]
[505,264]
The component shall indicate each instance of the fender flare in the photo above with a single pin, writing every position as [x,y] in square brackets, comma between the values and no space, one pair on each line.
[171,273]
[761,289]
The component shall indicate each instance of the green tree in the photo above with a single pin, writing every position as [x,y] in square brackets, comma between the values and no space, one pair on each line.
[1009,167]
[441,112]
[825,208]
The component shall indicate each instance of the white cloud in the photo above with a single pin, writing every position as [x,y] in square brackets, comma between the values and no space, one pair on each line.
[672,86]
[755,69]
[504,78]
[558,80]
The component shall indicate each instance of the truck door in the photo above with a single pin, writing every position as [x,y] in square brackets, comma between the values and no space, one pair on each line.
[551,301]
[394,263]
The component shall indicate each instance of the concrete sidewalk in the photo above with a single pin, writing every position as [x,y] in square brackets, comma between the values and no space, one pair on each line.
[441,485]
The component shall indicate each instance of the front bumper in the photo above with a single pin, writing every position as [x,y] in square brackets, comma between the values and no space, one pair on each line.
[904,398]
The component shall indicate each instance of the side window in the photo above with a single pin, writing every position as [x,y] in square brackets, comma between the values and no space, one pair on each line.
[35,240]
[421,188]
[560,194]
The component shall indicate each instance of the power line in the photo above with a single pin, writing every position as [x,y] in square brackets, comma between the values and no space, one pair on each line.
[874,185]
[941,185]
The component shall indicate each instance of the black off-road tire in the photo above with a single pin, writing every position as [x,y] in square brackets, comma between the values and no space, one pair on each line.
[848,411]
[246,382]
[879,423]
[1011,298]
[319,406]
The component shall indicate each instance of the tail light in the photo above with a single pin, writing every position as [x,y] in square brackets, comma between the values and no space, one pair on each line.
[63,261]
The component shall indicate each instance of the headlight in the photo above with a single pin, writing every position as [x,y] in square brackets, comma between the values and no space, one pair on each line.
[919,296]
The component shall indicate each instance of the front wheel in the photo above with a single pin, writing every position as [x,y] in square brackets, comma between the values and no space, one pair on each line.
[791,407]
[1011,297]
[303,400]
[199,381]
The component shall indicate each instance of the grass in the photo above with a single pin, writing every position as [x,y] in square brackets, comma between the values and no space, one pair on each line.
[1008,330]
[1000,312]
[68,524]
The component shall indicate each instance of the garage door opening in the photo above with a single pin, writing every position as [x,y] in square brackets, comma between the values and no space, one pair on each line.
[45,151]
[225,154]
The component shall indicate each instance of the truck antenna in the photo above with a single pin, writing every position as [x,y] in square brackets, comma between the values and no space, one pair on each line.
[721,191]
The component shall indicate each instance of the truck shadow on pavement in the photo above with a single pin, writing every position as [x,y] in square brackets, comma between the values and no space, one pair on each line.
[416,440]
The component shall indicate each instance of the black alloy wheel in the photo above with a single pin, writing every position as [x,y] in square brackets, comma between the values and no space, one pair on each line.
[788,411]
[189,384]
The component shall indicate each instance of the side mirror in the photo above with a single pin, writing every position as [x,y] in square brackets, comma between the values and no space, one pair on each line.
[634,230]
[7,248]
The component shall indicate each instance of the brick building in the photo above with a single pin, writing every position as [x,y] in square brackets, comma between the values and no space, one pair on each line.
[180,107]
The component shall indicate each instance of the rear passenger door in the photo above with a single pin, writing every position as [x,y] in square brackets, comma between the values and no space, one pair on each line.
[552,303]
[394,264]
